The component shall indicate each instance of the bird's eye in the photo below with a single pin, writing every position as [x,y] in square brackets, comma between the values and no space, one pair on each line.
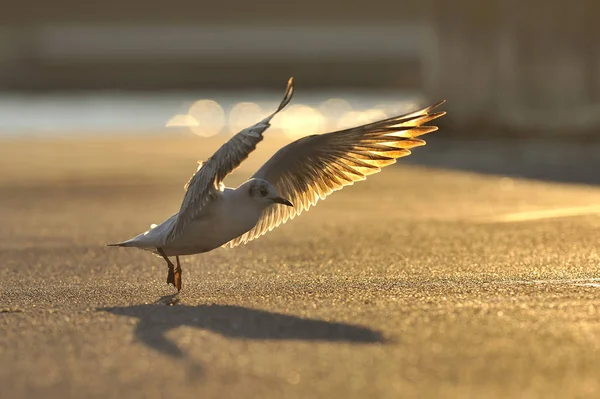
[263,192]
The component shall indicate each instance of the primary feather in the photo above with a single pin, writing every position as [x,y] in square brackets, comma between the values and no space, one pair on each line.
[207,181]
[313,167]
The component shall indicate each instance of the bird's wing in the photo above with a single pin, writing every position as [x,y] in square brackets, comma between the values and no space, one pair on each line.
[207,180]
[313,167]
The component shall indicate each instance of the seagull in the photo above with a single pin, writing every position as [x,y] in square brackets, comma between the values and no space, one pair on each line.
[294,179]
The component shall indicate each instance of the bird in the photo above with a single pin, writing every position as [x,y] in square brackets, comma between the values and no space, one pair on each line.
[293,180]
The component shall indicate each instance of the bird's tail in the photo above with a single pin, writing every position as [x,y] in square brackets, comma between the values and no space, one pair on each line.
[128,243]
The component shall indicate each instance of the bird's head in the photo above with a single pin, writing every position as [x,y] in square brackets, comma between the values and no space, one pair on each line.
[265,193]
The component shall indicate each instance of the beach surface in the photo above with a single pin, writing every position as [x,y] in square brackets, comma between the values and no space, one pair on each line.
[419,282]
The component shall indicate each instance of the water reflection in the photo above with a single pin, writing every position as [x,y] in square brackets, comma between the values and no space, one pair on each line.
[205,114]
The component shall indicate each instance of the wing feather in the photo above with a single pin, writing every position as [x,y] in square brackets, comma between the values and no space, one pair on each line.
[310,169]
[204,185]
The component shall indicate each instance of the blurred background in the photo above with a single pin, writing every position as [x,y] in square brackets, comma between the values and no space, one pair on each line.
[518,75]
[454,274]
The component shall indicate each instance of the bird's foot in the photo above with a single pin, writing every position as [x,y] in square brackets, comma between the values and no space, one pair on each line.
[171,275]
[177,278]
[174,277]
[174,274]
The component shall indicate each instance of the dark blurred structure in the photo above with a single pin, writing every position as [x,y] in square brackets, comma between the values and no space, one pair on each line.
[505,63]
[530,64]
[185,44]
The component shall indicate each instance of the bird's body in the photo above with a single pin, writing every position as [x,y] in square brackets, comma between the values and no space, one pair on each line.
[304,171]
[228,216]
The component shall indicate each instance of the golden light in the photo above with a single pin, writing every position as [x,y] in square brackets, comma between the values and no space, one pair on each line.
[397,107]
[374,114]
[301,120]
[182,120]
[358,118]
[349,119]
[209,116]
[544,214]
[243,115]
[333,109]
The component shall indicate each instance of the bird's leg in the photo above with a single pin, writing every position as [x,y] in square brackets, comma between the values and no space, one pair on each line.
[171,274]
[177,276]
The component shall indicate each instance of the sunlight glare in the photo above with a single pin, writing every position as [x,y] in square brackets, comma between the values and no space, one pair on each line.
[544,214]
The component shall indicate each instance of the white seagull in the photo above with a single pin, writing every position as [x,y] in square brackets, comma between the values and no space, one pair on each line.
[292,181]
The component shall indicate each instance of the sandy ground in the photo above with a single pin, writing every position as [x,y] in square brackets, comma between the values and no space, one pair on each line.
[419,282]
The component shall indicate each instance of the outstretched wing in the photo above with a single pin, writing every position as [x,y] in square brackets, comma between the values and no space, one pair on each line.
[313,167]
[206,182]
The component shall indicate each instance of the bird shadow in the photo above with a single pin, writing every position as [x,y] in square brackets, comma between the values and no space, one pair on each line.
[155,320]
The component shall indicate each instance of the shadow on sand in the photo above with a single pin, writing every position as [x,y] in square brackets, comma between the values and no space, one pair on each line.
[566,160]
[155,320]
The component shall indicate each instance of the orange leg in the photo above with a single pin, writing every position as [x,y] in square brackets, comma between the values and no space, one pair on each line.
[174,274]
[177,275]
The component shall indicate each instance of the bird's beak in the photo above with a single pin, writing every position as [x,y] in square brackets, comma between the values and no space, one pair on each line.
[279,200]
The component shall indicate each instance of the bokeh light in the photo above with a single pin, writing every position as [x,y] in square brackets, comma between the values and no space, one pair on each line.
[333,109]
[182,120]
[358,118]
[301,120]
[397,107]
[209,116]
[243,115]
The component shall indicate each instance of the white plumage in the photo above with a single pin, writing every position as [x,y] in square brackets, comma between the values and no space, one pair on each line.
[297,176]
